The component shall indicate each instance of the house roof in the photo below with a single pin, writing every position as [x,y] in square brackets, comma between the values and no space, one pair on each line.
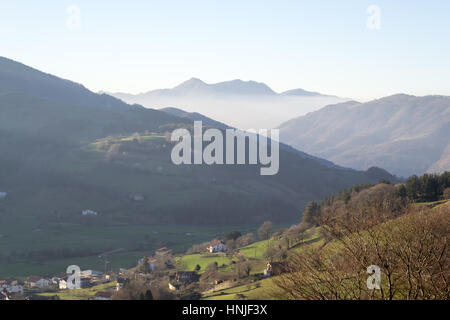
[91,272]
[33,278]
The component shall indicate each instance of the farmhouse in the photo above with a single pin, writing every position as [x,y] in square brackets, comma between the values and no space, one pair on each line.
[62,284]
[120,283]
[275,269]
[31,281]
[217,246]
[186,277]
[11,287]
[163,252]
[182,278]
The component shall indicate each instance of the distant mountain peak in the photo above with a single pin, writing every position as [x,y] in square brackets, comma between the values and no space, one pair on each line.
[303,92]
[191,84]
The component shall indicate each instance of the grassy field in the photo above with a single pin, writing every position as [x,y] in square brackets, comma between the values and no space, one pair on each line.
[256,250]
[136,241]
[80,294]
[189,262]
[259,290]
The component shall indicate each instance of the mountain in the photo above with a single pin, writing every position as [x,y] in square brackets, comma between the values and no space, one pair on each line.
[301,92]
[72,151]
[195,116]
[241,104]
[59,158]
[403,134]
[17,77]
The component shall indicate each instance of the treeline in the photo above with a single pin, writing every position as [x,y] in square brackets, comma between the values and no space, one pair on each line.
[375,226]
[384,196]
[427,188]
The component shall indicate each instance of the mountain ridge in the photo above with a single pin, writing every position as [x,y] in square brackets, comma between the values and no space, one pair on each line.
[402,133]
[236,86]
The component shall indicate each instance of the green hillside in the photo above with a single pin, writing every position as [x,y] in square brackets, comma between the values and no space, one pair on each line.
[59,158]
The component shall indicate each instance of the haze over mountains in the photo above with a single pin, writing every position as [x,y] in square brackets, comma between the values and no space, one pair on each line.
[403,134]
[240,104]
[65,157]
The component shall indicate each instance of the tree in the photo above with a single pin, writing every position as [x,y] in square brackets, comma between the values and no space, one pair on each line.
[244,269]
[145,266]
[232,235]
[245,240]
[411,252]
[265,230]
[446,194]
[312,212]
[146,296]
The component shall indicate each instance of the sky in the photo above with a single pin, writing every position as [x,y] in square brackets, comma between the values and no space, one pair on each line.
[351,48]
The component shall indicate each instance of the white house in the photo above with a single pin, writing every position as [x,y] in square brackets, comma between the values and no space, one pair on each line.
[11,289]
[43,283]
[62,284]
[15,289]
[89,212]
[217,246]
[3,195]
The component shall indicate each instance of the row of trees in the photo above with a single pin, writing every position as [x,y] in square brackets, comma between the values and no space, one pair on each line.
[429,187]
[411,252]
[375,225]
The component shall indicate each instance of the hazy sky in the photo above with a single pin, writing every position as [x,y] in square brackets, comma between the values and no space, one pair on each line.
[327,46]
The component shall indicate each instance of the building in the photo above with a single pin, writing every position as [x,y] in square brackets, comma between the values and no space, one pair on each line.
[217,246]
[186,277]
[15,289]
[62,284]
[11,287]
[120,283]
[88,212]
[163,251]
[275,268]
[31,281]
[152,263]
[43,283]
[182,278]
[173,287]
[91,273]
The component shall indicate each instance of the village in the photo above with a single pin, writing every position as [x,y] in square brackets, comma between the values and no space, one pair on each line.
[203,272]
